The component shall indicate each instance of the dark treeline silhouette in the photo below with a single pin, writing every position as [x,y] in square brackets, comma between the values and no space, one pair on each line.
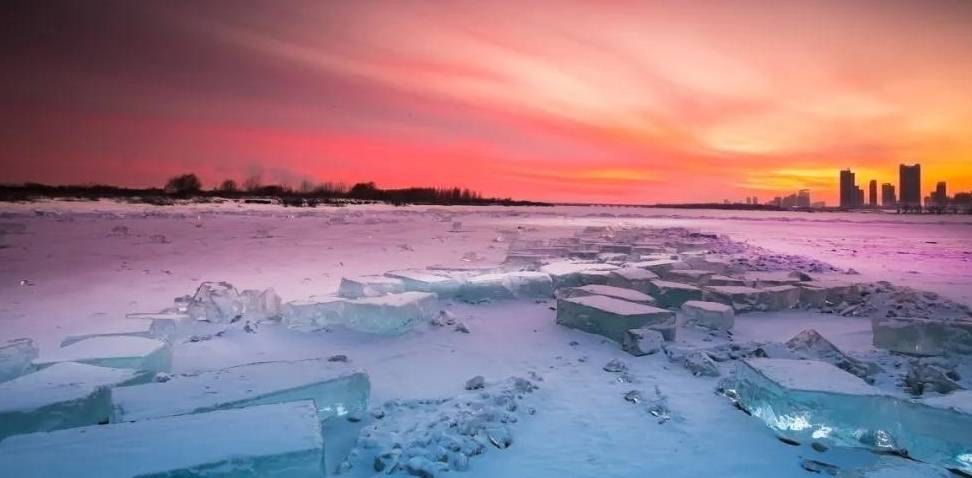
[189,187]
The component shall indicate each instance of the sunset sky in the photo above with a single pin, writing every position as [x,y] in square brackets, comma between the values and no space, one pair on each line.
[602,101]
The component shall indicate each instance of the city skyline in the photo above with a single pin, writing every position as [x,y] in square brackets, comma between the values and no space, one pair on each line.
[613,103]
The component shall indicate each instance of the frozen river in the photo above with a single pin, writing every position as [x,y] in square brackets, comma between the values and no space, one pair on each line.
[67,268]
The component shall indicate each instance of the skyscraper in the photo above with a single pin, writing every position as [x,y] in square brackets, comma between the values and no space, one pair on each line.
[888,198]
[909,185]
[860,197]
[848,191]
[803,198]
[872,193]
[940,196]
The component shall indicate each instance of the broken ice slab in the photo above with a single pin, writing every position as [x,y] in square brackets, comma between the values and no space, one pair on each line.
[136,353]
[632,278]
[630,295]
[280,440]
[261,304]
[152,329]
[218,302]
[308,316]
[939,430]
[164,325]
[335,388]
[712,264]
[780,297]
[760,279]
[369,286]
[896,467]
[613,247]
[612,257]
[643,341]
[815,401]
[574,274]
[819,292]
[914,336]
[611,317]
[392,314]
[807,400]
[646,249]
[16,358]
[523,284]
[688,276]
[422,281]
[658,266]
[64,395]
[583,253]
[673,294]
[741,298]
[724,280]
[713,315]
[523,259]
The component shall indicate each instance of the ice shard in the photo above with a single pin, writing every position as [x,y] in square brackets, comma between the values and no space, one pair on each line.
[392,314]
[815,401]
[16,358]
[261,304]
[336,389]
[611,317]
[218,302]
[64,395]
[280,440]
[137,353]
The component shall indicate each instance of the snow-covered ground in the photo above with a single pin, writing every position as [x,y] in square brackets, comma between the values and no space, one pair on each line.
[72,268]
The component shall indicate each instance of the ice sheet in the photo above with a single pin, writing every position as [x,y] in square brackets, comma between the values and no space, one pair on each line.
[280,440]
[336,389]
[137,353]
[64,395]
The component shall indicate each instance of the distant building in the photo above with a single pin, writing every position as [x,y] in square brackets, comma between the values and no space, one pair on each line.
[749,200]
[909,185]
[755,200]
[888,198]
[940,196]
[872,193]
[803,198]
[860,197]
[848,190]
[819,205]
[789,201]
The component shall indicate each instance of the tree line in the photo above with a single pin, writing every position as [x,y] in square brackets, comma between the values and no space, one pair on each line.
[189,187]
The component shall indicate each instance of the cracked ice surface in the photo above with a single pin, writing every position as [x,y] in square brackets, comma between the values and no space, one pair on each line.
[87,278]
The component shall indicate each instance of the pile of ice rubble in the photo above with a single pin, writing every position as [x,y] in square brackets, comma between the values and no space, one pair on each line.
[641,288]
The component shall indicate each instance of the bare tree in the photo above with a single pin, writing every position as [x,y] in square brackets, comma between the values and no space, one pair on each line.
[228,186]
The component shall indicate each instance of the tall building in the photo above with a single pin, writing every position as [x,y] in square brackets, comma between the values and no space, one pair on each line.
[909,185]
[860,197]
[888,198]
[940,196]
[803,198]
[848,191]
[872,193]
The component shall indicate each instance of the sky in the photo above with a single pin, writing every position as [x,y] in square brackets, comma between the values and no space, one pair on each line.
[577,101]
